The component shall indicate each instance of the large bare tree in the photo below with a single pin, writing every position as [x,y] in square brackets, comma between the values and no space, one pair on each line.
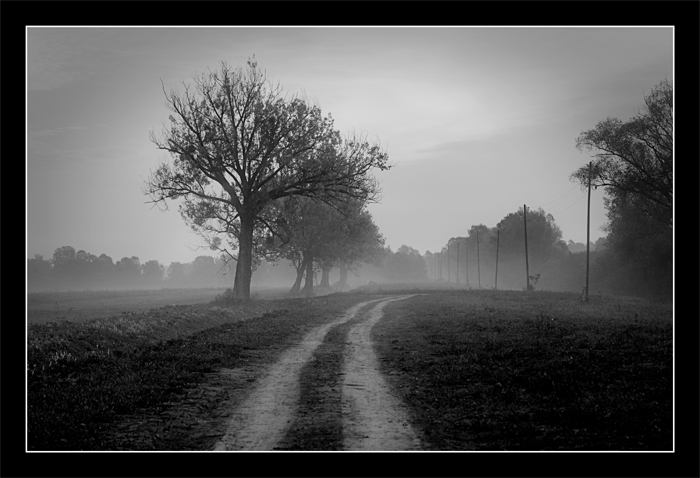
[237,145]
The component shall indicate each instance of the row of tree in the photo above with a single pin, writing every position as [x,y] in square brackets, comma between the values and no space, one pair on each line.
[404,265]
[71,270]
[489,257]
[262,176]
[633,161]
[68,269]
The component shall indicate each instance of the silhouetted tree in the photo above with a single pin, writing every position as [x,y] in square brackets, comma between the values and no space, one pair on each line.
[176,274]
[238,145]
[638,258]
[152,272]
[203,271]
[128,271]
[635,158]
[405,265]
[545,246]
[633,161]
[39,273]
[359,241]
[600,244]
[105,270]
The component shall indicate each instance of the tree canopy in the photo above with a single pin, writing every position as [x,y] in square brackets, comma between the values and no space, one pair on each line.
[633,161]
[634,158]
[405,265]
[543,235]
[327,235]
[237,145]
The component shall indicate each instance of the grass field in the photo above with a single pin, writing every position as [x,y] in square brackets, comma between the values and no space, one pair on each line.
[480,370]
[500,370]
[80,306]
[82,376]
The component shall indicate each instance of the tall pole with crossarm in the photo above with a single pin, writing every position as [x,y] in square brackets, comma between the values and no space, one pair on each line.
[478,261]
[527,265]
[498,237]
[588,228]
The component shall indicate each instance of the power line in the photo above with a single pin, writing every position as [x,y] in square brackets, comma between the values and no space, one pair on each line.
[571,205]
[560,197]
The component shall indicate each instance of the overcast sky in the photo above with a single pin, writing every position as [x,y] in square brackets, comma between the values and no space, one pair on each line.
[478,121]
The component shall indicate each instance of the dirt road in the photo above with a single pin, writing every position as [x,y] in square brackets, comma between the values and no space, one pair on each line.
[372,418]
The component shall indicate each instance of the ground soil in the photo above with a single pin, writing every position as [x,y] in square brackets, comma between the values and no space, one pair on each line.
[324,393]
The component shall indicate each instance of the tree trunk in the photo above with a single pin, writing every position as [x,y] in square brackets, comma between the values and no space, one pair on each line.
[309,285]
[297,283]
[343,276]
[235,278]
[244,266]
[325,277]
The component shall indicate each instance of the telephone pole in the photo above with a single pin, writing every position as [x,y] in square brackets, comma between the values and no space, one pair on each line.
[478,261]
[457,261]
[498,237]
[527,265]
[448,261]
[466,260]
[588,228]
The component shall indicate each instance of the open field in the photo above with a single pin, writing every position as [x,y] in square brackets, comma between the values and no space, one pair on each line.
[478,370]
[507,370]
[44,307]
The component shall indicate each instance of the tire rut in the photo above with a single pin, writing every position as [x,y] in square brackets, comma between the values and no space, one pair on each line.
[263,419]
[373,418]
[326,393]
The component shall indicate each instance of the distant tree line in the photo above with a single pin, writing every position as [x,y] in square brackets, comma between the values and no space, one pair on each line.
[471,259]
[633,162]
[71,270]
[68,269]
[598,245]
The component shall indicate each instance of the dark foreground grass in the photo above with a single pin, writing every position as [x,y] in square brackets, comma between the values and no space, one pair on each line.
[498,370]
[82,377]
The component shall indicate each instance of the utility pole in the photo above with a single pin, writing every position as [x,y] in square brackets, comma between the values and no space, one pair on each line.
[498,237]
[466,260]
[588,227]
[527,265]
[448,261]
[478,261]
[458,261]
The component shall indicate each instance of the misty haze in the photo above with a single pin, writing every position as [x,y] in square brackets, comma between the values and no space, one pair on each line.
[343,239]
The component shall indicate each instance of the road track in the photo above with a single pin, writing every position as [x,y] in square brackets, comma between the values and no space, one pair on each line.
[372,418]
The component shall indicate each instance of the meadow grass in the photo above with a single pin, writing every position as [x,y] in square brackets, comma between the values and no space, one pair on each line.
[79,306]
[83,375]
[479,370]
[509,370]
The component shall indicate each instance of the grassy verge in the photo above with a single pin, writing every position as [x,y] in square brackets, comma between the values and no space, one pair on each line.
[498,370]
[82,377]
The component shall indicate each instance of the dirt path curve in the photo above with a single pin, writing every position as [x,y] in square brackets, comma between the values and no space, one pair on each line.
[264,417]
[373,419]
